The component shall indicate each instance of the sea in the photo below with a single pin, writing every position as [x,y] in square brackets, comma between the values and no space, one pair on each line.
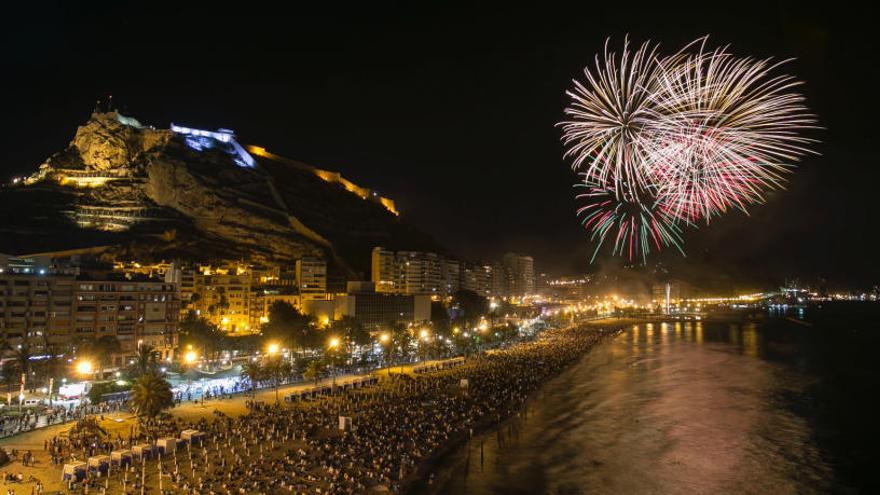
[771,401]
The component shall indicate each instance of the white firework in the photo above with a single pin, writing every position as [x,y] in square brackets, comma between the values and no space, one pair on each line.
[607,116]
[723,133]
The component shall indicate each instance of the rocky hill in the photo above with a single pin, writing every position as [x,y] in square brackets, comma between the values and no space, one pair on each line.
[143,193]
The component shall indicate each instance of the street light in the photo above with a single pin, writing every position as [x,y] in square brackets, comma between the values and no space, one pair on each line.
[189,357]
[272,349]
[332,344]
[84,367]
[385,340]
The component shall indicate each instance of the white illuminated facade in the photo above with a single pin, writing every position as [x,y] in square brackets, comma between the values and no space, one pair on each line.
[224,139]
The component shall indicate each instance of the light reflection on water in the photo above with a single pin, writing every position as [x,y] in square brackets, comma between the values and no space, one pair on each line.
[679,407]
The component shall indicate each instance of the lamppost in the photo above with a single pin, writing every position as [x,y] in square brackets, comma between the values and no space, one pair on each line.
[85,368]
[384,340]
[332,345]
[493,306]
[188,360]
[271,351]
[424,337]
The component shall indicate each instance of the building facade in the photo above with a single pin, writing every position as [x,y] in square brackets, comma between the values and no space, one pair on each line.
[376,310]
[384,269]
[514,276]
[136,312]
[414,273]
[36,308]
[477,277]
[311,278]
[224,299]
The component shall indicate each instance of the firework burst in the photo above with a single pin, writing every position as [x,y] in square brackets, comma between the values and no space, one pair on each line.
[667,142]
[636,227]
[724,131]
[607,114]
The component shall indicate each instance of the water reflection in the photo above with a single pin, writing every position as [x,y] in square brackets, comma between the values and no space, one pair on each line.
[683,407]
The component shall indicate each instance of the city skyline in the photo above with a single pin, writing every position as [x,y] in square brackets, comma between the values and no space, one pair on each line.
[440,124]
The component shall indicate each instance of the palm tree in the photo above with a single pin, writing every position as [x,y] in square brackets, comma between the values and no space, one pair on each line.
[150,395]
[313,370]
[352,333]
[401,339]
[11,375]
[253,372]
[201,333]
[22,355]
[102,350]
[145,360]
[277,369]
[53,366]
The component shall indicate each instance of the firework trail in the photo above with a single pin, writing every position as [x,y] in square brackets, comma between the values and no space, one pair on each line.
[635,227]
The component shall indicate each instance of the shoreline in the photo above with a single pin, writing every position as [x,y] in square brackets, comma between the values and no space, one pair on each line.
[502,381]
[418,482]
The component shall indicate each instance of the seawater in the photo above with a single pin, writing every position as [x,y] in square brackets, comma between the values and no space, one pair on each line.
[782,403]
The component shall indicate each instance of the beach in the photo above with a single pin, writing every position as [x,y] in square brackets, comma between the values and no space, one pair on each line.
[396,429]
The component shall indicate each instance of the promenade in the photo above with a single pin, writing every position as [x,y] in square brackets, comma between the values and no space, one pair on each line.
[299,448]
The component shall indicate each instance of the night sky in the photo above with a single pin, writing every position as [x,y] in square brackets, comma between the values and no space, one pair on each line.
[451,111]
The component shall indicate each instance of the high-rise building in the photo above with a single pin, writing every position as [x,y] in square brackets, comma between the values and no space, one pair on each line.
[514,276]
[35,308]
[412,272]
[477,277]
[450,276]
[524,280]
[420,272]
[311,278]
[385,272]
[136,312]
[500,285]
[60,307]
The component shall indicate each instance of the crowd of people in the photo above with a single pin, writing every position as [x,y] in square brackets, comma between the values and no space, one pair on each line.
[58,414]
[306,448]
[302,449]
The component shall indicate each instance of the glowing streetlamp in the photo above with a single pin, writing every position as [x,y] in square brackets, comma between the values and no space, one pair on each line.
[332,345]
[272,349]
[189,357]
[84,367]
[384,338]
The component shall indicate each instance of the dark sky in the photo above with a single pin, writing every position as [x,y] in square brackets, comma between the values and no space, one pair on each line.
[451,110]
